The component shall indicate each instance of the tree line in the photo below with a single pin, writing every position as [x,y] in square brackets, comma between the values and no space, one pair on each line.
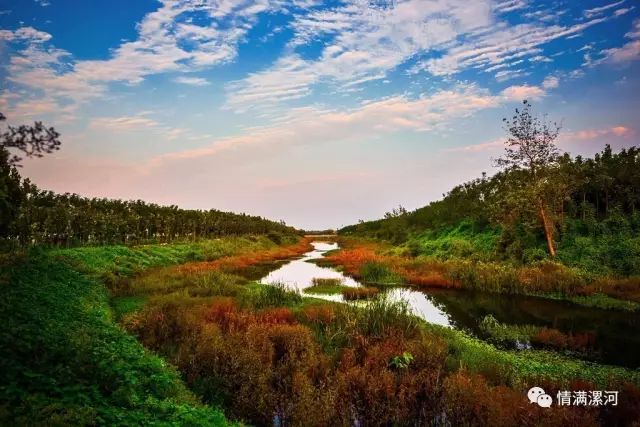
[30,216]
[538,196]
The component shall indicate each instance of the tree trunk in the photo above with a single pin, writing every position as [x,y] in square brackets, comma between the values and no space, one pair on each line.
[548,231]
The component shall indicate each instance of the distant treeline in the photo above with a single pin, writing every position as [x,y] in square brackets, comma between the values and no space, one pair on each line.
[600,195]
[46,218]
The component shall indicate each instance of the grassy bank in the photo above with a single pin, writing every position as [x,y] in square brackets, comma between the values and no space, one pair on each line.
[378,263]
[64,360]
[258,350]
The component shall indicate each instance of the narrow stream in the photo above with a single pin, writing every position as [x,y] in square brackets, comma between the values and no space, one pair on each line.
[617,333]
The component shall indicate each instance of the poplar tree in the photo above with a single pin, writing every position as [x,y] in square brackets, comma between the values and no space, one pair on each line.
[531,155]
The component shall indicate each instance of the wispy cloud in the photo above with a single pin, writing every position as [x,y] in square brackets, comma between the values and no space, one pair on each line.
[25,34]
[192,81]
[361,44]
[123,124]
[379,118]
[168,41]
[589,134]
[373,119]
[139,123]
[630,51]
[565,137]
[590,13]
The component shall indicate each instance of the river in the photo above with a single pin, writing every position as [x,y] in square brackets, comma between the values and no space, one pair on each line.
[617,333]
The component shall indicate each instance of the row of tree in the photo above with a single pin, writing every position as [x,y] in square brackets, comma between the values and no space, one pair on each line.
[30,216]
[537,191]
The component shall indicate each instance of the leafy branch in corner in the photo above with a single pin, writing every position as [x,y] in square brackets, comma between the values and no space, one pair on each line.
[32,140]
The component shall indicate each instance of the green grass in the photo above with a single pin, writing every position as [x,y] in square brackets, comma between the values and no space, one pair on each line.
[461,241]
[521,369]
[63,360]
[273,295]
[126,305]
[606,302]
[112,263]
[507,334]
[379,274]
[326,286]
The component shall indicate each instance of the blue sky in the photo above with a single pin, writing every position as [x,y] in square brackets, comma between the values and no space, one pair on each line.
[318,113]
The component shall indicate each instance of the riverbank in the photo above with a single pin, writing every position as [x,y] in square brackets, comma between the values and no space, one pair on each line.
[64,360]
[262,349]
[253,350]
[382,264]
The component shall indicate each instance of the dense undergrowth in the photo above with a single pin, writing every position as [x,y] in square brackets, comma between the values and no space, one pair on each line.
[266,355]
[377,263]
[262,354]
[485,235]
[63,359]
[65,362]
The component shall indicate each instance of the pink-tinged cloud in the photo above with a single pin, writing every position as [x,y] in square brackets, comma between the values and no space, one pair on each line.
[518,93]
[566,137]
[370,120]
[622,131]
[475,148]
[589,134]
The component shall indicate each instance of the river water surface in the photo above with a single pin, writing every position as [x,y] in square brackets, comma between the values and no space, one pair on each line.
[617,333]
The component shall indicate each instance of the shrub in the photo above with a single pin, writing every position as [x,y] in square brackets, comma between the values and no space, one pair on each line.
[371,392]
[502,333]
[378,319]
[277,315]
[401,362]
[322,314]
[434,280]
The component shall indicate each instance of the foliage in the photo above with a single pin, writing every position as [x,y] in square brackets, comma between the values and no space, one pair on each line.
[32,140]
[596,225]
[63,361]
[401,362]
[274,295]
[378,273]
[331,364]
[325,286]
[30,216]
[503,333]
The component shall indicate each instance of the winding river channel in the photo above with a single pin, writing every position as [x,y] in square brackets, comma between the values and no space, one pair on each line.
[617,333]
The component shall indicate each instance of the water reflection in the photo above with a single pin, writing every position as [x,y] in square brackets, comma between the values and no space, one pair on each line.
[299,273]
[420,305]
[617,333]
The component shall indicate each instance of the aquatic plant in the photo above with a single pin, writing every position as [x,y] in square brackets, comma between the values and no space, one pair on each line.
[325,286]
[352,294]
[274,295]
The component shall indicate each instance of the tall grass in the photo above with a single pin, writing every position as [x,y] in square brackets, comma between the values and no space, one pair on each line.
[274,295]
[354,294]
[378,273]
[325,286]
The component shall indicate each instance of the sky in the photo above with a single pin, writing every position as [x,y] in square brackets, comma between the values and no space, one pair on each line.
[318,113]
